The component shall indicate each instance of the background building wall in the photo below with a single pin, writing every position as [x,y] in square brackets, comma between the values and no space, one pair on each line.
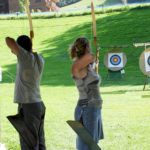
[38,5]
[4,6]
[14,6]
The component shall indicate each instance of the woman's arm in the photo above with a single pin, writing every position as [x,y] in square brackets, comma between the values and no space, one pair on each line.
[11,43]
[80,65]
[83,62]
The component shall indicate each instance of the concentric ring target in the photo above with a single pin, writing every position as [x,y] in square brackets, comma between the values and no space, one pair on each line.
[144,62]
[148,60]
[115,60]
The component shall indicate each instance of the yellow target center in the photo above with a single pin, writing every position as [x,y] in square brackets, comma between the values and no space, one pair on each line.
[115,59]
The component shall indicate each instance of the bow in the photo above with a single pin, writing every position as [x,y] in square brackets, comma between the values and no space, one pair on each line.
[95,36]
[30,22]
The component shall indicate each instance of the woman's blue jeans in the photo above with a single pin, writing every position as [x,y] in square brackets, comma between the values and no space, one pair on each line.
[92,121]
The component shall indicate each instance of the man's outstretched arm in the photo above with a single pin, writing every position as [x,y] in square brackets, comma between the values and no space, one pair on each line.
[11,43]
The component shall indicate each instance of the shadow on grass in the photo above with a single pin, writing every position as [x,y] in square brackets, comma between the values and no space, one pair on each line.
[125,91]
[115,29]
[145,96]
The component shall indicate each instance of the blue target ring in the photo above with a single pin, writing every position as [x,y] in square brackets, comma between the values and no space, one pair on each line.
[148,60]
[115,60]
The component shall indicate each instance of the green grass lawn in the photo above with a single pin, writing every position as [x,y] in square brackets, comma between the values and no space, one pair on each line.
[126,108]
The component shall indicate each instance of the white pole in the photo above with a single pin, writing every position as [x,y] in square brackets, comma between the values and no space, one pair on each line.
[0,74]
[0,124]
[2,146]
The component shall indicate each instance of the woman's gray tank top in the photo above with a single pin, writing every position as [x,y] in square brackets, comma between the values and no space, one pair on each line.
[88,88]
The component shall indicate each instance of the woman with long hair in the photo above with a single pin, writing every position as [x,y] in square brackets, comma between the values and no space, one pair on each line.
[88,109]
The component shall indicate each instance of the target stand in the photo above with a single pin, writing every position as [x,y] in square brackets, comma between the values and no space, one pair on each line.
[147,81]
[114,75]
[144,64]
[115,60]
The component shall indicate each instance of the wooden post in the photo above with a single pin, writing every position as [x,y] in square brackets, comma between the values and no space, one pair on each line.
[146,81]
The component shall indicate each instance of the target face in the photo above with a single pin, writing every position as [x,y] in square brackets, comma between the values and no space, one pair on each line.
[115,60]
[147,61]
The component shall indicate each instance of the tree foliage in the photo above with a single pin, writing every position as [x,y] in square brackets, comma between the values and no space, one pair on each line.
[22,5]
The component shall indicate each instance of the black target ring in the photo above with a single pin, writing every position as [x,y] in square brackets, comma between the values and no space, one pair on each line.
[148,60]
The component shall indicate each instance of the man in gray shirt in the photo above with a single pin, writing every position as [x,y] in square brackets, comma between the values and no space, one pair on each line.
[27,90]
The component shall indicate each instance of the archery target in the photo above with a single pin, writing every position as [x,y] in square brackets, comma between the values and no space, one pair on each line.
[115,60]
[147,61]
[144,62]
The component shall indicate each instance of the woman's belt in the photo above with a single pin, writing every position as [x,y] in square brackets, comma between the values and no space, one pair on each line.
[83,103]
[86,102]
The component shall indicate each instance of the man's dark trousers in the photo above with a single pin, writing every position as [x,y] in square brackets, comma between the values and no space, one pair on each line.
[33,114]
